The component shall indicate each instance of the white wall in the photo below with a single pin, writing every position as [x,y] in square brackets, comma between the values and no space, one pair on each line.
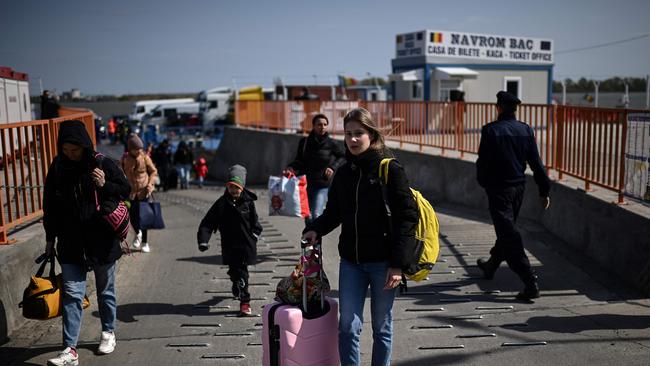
[534,86]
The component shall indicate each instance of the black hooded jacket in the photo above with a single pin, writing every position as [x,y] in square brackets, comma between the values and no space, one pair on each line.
[70,212]
[316,154]
[238,224]
[356,203]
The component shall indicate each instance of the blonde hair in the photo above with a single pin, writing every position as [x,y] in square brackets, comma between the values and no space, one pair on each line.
[362,116]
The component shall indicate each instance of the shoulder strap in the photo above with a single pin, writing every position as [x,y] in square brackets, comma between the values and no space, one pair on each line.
[383,181]
[383,170]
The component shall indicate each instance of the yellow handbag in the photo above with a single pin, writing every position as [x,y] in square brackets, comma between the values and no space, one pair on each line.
[43,298]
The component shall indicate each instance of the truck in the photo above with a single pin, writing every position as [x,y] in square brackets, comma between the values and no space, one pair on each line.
[142,107]
[214,105]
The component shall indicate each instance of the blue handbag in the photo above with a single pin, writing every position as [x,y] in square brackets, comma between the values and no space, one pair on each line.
[151,216]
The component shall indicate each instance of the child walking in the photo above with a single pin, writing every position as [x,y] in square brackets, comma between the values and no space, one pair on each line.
[234,215]
[201,170]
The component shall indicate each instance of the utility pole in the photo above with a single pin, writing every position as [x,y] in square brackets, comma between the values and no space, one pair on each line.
[596,85]
[626,96]
[563,92]
[647,92]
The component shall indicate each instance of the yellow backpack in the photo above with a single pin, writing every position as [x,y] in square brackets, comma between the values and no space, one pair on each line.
[426,230]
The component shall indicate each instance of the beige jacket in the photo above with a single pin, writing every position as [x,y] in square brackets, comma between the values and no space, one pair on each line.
[141,173]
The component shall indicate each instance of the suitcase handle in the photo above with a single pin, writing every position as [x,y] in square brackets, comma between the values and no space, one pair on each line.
[319,248]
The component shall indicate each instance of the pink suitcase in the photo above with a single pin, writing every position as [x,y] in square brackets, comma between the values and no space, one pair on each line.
[291,337]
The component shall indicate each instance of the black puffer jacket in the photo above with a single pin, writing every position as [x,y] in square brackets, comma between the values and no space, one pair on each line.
[238,225]
[316,154]
[355,202]
[69,205]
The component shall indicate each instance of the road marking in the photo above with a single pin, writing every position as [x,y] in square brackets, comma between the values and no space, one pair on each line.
[516,344]
[224,356]
[204,325]
[424,327]
[460,346]
[187,345]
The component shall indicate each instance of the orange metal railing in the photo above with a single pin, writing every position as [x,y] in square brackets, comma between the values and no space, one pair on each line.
[585,143]
[27,149]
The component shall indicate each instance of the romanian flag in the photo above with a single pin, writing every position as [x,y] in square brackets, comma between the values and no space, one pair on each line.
[436,37]
[346,81]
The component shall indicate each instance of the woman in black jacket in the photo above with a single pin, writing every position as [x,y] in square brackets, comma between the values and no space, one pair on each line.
[317,158]
[81,186]
[372,253]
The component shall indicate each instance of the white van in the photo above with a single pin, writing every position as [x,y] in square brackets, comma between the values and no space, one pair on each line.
[214,105]
[162,113]
[142,107]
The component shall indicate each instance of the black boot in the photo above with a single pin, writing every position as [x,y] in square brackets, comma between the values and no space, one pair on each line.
[531,291]
[488,267]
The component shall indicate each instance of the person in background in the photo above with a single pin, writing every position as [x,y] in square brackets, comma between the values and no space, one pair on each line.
[373,254]
[183,159]
[234,215]
[318,157]
[507,144]
[112,131]
[141,173]
[162,158]
[201,170]
[49,106]
[76,183]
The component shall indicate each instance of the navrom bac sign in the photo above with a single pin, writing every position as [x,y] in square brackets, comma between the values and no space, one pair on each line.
[474,46]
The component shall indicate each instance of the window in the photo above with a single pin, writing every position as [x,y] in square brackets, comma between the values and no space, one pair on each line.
[214,104]
[416,92]
[140,109]
[446,86]
[170,112]
[156,113]
[512,84]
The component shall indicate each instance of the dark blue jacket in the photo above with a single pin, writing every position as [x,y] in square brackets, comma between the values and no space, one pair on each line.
[507,144]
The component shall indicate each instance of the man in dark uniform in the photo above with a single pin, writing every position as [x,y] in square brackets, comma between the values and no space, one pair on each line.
[507,144]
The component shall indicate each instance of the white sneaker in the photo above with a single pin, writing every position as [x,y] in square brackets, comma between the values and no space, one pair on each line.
[66,357]
[145,248]
[107,343]
[138,240]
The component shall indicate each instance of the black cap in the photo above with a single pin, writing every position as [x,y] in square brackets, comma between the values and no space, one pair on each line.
[506,99]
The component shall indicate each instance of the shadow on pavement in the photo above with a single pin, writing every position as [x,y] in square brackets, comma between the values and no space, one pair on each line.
[579,323]
[128,313]
[14,356]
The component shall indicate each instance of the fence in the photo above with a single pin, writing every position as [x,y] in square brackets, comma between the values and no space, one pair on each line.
[26,151]
[582,142]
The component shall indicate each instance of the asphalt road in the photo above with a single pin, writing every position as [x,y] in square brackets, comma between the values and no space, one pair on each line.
[175,307]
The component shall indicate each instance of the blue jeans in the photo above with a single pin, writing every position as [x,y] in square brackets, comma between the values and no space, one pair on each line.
[74,289]
[317,198]
[354,280]
[184,174]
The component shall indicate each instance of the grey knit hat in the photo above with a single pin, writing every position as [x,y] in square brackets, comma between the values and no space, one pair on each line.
[134,142]
[237,176]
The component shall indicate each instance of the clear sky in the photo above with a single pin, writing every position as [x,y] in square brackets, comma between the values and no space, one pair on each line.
[137,46]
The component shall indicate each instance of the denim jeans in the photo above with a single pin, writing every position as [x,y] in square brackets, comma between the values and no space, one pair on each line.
[354,280]
[317,198]
[74,289]
[184,174]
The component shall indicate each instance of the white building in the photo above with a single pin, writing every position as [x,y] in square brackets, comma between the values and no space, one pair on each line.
[443,65]
[15,105]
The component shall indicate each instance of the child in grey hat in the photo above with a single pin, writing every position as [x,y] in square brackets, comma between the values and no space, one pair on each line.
[234,215]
